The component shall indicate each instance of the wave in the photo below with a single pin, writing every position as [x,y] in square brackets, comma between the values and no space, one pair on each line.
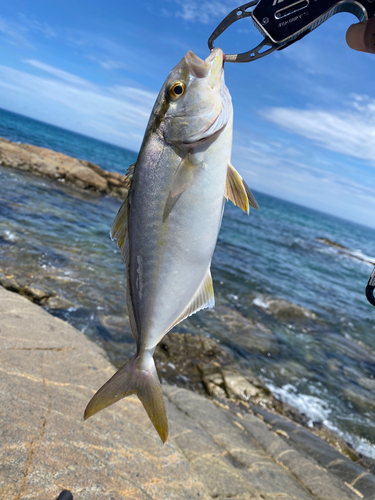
[318,410]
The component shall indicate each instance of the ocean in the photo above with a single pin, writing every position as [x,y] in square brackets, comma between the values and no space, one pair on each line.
[316,347]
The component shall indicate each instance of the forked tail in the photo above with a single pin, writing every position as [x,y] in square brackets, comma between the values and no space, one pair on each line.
[137,376]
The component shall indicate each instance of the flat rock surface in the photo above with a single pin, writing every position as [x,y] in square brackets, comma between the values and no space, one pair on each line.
[49,371]
[47,163]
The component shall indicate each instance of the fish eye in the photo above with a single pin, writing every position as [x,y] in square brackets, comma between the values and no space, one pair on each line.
[176,90]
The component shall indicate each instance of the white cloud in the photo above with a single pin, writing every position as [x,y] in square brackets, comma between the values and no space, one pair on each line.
[204,12]
[349,132]
[108,64]
[105,112]
[290,173]
[14,33]
[59,73]
[41,27]
[18,33]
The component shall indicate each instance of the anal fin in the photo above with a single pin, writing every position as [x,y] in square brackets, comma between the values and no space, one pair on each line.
[203,298]
[238,191]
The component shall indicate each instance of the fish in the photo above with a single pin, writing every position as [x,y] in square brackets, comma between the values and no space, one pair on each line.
[169,222]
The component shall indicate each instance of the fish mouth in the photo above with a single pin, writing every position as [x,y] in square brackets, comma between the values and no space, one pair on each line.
[200,68]
[212,69]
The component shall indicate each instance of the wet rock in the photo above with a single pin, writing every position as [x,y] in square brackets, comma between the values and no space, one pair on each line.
[347,251]
[239,387]
[213,381]
[47,163]
[34,292]
[200,364]
[367,383]
[364,401]
[351,348]
[37,293]
[331,243]
[282,309]
[58,302]
[289,370]
[114,323]
[9,282]
[192,362]
[247,334]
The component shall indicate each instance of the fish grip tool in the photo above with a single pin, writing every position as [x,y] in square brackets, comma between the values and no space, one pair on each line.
[283,22]
[370,288]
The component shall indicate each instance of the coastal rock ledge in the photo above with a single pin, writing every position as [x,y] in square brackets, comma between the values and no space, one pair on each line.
[58,166]
[49,371]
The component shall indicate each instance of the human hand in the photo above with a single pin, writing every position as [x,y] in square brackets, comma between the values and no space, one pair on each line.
[361,36]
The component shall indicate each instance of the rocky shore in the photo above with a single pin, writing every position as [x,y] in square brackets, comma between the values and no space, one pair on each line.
[230,437]
[220,447]
[60,167]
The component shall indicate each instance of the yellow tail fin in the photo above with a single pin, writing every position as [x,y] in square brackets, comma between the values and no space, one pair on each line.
[135,377]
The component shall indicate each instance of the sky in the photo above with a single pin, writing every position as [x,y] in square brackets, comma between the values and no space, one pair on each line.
[304,117]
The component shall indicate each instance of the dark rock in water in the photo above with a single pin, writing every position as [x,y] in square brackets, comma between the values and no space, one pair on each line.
[47,163]
[351,348]
[57,302]
[347,251]
[198,363]
[9,282]
[363,400]
[331,243]
[367,383]
[289,370]
[181,359]
[36,292]
[282,309]
[245,333]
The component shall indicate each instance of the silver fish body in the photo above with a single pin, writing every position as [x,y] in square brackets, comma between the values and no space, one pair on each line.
[168,225]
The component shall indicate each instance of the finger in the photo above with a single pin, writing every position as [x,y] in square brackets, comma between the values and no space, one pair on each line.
[361,36]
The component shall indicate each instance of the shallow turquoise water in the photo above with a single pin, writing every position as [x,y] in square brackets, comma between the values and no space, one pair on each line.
[58,238]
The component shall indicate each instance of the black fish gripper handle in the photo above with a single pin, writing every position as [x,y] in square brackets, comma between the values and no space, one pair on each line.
[65,495]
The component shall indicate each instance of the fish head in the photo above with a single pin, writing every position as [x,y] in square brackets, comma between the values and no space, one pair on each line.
[194,103]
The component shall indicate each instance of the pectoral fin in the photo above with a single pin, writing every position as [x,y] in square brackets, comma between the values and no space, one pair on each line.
[185,176]
[238,191]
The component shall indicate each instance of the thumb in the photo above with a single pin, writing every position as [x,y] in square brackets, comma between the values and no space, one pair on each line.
[361,36]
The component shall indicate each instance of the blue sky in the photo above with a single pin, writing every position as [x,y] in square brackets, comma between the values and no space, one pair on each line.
[304,117]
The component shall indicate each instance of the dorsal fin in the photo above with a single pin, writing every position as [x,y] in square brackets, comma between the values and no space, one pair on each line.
[238,191]
[119,229]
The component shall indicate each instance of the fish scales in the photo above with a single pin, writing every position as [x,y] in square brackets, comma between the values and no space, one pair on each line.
[168,225]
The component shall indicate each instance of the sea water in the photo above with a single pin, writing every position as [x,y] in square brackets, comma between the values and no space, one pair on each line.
[322,354]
